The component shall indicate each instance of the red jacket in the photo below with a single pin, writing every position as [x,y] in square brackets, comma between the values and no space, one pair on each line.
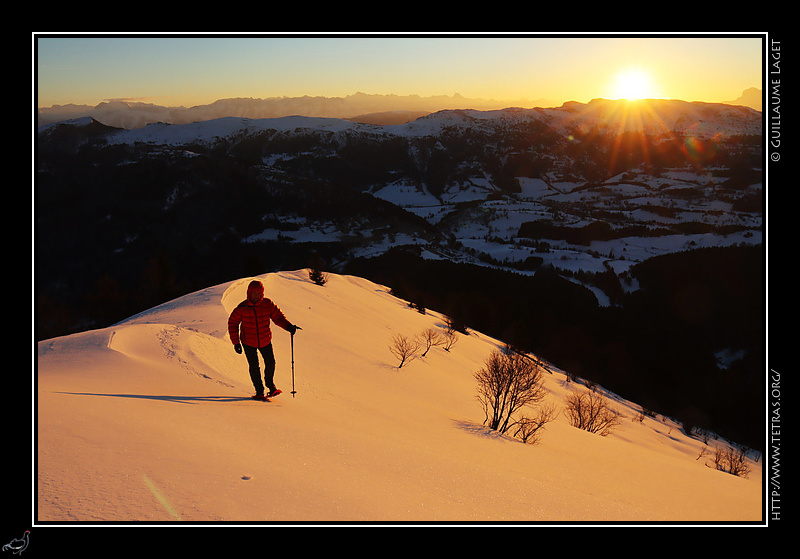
[249,322]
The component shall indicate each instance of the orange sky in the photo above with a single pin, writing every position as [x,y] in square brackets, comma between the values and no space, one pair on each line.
[184,71]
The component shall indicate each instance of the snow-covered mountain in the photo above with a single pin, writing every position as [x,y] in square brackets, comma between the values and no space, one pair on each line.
[149,420]
[654,117]
[359,107]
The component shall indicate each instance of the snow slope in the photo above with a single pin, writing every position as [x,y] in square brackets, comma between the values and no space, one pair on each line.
[150,420]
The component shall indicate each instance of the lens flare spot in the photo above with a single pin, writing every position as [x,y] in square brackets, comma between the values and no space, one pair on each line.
[699,149]
[160,498]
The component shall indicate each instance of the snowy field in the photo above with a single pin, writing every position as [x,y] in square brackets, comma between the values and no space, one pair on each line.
[150,420]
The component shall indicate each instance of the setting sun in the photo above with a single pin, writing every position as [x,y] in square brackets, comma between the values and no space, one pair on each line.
[633,84]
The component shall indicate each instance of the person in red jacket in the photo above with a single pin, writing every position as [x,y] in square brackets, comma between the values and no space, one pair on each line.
[248,327]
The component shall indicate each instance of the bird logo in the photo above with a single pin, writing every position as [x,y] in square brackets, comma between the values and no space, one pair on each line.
[17,546]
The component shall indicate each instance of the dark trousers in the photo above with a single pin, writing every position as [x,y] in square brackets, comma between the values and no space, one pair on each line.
[269,367]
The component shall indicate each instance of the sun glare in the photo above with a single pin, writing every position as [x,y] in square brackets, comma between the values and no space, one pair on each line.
[633,84]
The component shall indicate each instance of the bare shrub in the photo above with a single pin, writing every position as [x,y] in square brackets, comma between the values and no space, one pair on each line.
[450,337]
[404,349]
[591,412]
[429,338]
[732,461]
[506,383]
[642,413]
[528,428]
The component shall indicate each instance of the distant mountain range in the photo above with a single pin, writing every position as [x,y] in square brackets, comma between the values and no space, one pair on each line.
[376,109]
[360,107]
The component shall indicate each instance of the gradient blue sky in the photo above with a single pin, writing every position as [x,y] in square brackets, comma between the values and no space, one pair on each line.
[187,71]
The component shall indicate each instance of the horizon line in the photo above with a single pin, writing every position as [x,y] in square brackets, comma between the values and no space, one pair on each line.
[548,103]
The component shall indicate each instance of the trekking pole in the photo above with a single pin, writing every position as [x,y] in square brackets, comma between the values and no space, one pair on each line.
[292,344]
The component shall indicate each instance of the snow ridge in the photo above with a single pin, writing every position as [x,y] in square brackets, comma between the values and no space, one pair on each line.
[150,420]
